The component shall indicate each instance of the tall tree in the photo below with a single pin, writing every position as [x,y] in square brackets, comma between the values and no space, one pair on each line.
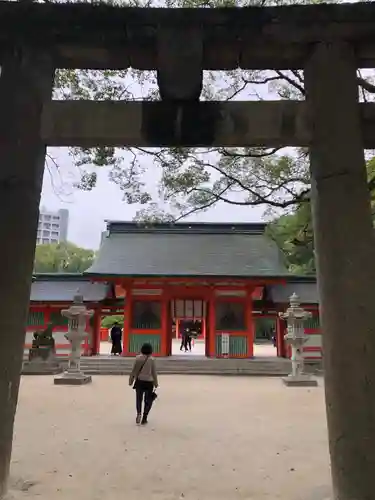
[195,179]
[62,258]
[293,233]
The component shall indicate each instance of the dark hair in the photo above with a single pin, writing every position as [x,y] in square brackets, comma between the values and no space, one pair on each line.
[146,349]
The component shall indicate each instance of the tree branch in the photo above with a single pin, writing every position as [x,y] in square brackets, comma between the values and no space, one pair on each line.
[201,207]
[275,204]
[292,82]
[238,91]
[369,87]
[262,81]
[227,153]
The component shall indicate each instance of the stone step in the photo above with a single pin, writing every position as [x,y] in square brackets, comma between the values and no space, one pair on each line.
[207,367]
[192,366]
[189,368]
[181,362]
[197,366]
[96,370]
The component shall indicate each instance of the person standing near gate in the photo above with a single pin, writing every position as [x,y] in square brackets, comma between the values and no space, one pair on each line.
[185,333]
[116,338]
[144,380]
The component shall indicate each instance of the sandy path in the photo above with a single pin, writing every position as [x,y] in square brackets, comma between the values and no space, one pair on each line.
[209,438]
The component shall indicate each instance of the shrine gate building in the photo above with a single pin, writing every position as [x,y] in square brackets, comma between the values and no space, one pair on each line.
[224,275]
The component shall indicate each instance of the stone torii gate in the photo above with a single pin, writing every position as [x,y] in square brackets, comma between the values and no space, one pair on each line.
[328,41]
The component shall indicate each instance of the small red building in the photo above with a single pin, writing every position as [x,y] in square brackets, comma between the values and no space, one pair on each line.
[50,293]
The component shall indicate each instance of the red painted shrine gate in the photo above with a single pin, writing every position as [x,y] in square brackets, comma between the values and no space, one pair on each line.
[227,276]
[226,271]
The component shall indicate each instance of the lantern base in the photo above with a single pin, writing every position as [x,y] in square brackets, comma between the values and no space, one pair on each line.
[68,378]
[300,381]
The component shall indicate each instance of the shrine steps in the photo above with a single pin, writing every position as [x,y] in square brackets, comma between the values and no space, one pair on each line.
[197,366]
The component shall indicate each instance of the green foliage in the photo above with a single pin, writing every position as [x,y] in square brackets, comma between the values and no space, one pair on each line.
[62,258]
[109,321]
[293,233]
[371,179]
[192,179]
[264,328]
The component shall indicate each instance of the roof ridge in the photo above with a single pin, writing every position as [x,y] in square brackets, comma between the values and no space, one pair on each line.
[59,276]
[115,227]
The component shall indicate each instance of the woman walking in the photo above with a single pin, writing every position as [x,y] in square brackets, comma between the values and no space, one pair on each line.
[144,380]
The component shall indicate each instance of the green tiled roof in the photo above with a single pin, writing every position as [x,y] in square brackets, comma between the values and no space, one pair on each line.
[217,250]
[63,287]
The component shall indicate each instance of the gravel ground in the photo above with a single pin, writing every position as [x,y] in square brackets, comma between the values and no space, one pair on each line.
[209,438]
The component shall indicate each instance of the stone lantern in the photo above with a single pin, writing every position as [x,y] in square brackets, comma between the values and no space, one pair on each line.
[295,317]
[77,316]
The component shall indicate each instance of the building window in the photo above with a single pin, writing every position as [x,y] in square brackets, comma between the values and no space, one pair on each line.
[46,225]
[146,315]
[230,316]
[47,217]
[35,318]
[56,217]
[55,226]
[58,319]
[54,233]
[45,241]
[54,240]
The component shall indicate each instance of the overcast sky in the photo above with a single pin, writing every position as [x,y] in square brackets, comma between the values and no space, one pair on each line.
[89,210]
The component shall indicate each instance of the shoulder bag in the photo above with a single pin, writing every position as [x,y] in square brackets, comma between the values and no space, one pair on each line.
[139,372]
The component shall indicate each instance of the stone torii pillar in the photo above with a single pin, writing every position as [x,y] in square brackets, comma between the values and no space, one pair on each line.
[345,251]
[26,81]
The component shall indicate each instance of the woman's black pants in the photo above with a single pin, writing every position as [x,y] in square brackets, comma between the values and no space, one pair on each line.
[143,391]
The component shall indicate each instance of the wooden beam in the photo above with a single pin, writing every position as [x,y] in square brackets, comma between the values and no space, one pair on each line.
[82,35]
[152,124]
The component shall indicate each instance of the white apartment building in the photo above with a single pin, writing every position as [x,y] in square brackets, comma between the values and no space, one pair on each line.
[52,226]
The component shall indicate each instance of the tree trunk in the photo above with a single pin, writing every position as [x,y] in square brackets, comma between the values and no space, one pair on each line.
[345,251]
[25,82]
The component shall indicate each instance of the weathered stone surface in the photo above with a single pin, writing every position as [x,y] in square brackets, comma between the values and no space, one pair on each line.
[239,123]
[72,379]
[345,243]
[180,62]
[300,381]
[39,367]
[88,123]
[25,82]
[108,37]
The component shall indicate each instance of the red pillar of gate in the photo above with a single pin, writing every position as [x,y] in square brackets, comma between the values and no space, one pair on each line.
[166,326]
[96,332]
[280,342]
[127,321]
[249,323]
[211,331]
